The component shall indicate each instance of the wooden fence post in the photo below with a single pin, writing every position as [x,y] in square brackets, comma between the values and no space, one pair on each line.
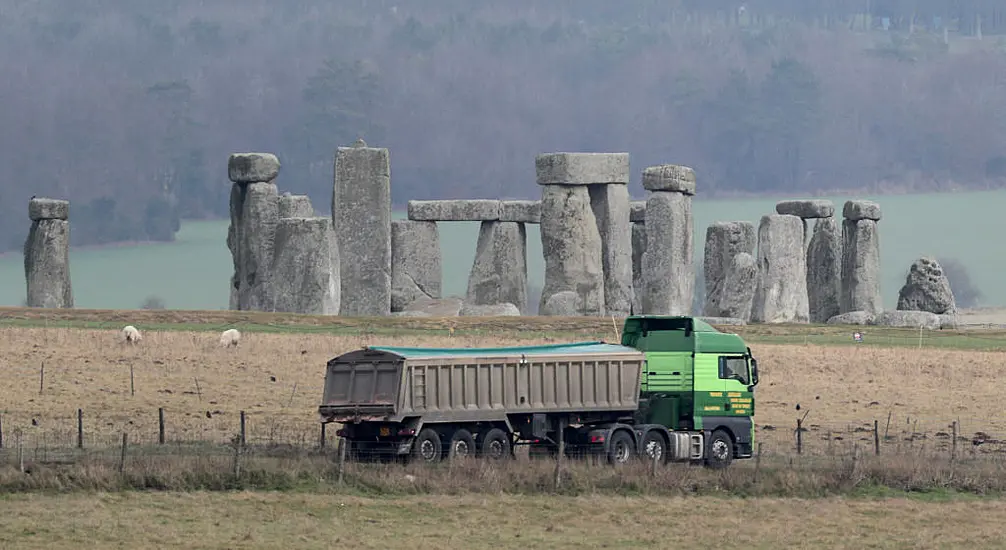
[132,386]
[243,440]
[160,425]
[122,456]
[953,447]
[876,437]
[799,436]
[41,379]
[321,442]
[562,450]
[80,428]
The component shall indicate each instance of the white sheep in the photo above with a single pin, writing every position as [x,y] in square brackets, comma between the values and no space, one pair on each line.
[230,337]
[131,335]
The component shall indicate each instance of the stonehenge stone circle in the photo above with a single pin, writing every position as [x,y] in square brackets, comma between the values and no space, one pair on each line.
[47,254]
[927,288]
[254,209]
[252,167]
[499,272]
[824,270]
[781,293]
[638,249]
[521,211]
[908,319]
[495,310]
[416,271]
[724,241]
[668,271]
[860,258]
[611,210]
[852,318]
[637,211]
[581,168]
[571,244]
[739,286]
[305,267]
[295,206]
[455,210]
[806,209]
[361,215]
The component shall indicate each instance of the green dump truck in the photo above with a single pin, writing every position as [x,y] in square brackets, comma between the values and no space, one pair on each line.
[675,390]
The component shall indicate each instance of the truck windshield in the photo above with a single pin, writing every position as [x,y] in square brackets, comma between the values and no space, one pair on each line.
[734,368]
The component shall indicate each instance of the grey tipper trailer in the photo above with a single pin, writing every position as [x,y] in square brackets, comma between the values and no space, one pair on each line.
[432,403]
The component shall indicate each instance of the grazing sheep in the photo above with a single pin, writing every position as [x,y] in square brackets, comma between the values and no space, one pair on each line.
[131,335]
[230,337]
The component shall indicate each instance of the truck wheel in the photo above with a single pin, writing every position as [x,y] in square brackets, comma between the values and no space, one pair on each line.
[654,447]
[621,447]
[427,446]
[462,445]
[719,450]
[495,445]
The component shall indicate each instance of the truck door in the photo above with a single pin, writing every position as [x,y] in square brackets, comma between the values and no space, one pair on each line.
[735,376]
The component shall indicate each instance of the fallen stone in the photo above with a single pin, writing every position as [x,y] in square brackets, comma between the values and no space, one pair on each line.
[669,177]
[927,288]
[861,210]
[493,310]
[949,321]
[361,214]
[295,206]
[499,272]
[824,270]
[416,266]
[781,292]
[571,245]
[47,264]
[521,211]
[436,307]
[48,209]
[305,267]
[611,210]
[252,167]
[724,240]
[562,304]
[410,314]
[668,269]
[637,211]
[455,210]
[638,250]
[739,286]
[724,321]
[860,290]
[814,208]
[852,318]
[251,239]
[581,168]
[908,319]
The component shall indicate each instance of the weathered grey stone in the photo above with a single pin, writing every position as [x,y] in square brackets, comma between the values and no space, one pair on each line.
[416,264]
[908,319]
[611,210]
[361,214]
[562,304]
[304,277]
[521,211]
[637,211]
[47,264]
[638,249]
[724,240]
[852,318]
[927,288]
[493,310]
[295,206]
[739,286]
[410,314]
[949,321]
[668,269]
[812,208]
[251,240]
[499,272]
[781,293]
[48,209]
[581,168]
[571,245]
[473,210]
[436,307]
[861,210]
[860,267]
[669,177]
[724,321]
[824,270]
[252,167]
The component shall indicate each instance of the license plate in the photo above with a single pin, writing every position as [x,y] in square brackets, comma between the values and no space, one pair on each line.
[385,430]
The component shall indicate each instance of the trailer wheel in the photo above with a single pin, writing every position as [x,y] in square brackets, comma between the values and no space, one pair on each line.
[495,445]
[427,446]
[462,445]
[654,447]
[621,447]
[719,450]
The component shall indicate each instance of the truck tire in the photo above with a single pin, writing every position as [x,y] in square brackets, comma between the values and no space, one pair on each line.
[427,447]
[462,445]
[654,446]
[621,447]
[495,445]
[719,450]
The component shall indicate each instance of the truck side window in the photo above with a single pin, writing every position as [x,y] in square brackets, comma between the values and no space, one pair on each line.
[734,368]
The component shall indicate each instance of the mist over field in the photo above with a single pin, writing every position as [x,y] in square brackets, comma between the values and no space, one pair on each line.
[129,110]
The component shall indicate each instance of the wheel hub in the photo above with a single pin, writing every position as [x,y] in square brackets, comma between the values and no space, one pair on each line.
[720,450]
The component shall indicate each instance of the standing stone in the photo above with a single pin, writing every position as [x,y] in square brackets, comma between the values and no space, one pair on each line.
[305,267]
[739,285]
[361,215]
[47,254]
[295,206]
[927,288]
[668,272]
[256,234]
[611,209]
[860,258]
[638,250]
[571,245]
[824,270]
[416,271]
[781,293]
[724,241]
[499,272]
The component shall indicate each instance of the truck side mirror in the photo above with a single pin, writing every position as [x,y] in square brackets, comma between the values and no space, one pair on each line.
[754,372]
